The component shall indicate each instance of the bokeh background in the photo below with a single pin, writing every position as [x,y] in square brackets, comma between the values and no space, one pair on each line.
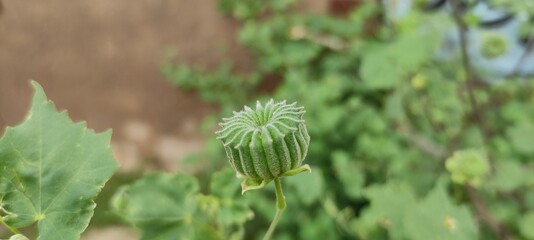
[101,60]
[401,124]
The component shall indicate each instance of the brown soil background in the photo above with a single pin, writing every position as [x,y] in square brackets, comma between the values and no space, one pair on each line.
[101,59]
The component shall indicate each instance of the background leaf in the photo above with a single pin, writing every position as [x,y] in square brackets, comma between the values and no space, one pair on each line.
[436,217]
[162,206]
[349,173]
[389,204]
[525,225]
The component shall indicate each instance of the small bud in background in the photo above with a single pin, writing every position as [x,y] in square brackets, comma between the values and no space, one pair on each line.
[493,45]
[468,167]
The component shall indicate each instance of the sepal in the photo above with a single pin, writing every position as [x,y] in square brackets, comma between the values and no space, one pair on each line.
[252,184]
[303,168]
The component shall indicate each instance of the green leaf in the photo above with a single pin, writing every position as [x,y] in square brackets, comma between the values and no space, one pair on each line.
[281,5]
[525,225]
[234,209]
[389,205]
[51,169]
[252,184]
[163,206]
[436,217]
[298,53]
[224,184]
[413,50]
[515,111]
[379,71]
[509,175]
[308,187]
[387,66]
[522,137]
[349,173]
[529,198]
[318,227]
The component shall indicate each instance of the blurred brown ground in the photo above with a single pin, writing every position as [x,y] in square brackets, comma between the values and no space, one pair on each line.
[100,60]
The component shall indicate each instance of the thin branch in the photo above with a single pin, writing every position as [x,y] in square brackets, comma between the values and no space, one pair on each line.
[422,143]
[462,31]
[482,212]
[528,48]
[472,79]
[485,216]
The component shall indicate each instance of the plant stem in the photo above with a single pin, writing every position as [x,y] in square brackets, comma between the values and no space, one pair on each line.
[473,80]
[484,214]
[530,46]
[280,206]
[470,75]
[424,144]
[12,229]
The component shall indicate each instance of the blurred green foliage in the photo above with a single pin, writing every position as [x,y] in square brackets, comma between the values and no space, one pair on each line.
[165,206]
[384,114]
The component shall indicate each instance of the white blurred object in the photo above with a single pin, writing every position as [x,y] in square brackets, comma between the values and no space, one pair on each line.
[499,22]
[486,14]
[397,9]
[492,21]
[499,66]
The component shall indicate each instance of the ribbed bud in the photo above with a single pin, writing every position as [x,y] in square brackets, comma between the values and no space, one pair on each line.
[266,142]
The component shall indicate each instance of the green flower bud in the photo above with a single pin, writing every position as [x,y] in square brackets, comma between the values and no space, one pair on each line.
[493,45]
[266,143]
[468,167]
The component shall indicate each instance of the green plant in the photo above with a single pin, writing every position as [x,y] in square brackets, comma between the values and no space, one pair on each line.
[412,138]
[389,102]
[51,169]
[171,206]
[266,144]
[216,87]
